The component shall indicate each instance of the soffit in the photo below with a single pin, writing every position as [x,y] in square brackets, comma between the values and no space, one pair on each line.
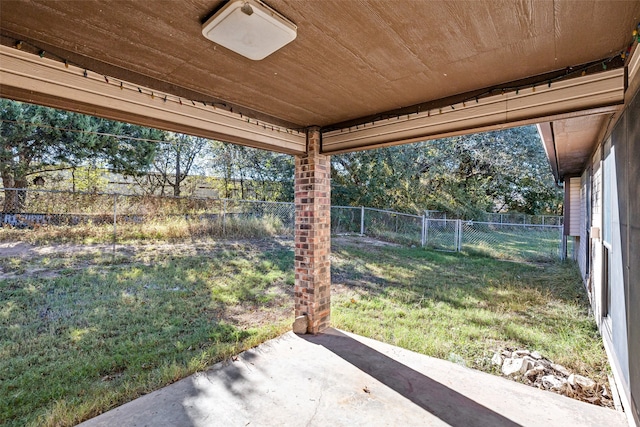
[569,143]
[351,59]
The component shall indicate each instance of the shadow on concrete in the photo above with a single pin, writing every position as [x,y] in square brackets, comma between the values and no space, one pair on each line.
[450,406]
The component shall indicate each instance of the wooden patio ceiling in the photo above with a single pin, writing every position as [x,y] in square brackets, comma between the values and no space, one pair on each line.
[435,67]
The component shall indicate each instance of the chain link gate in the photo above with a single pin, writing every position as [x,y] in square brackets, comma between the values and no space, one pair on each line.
[442,234]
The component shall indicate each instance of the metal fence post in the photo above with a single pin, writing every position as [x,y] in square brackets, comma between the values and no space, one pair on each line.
[459,242]
[423,236]
[362,220]
[115,227]
[224,216]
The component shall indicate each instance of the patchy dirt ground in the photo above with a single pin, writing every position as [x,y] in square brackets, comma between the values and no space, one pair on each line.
[19,259]
[353,239]
[82,255]
[23,260]
[21,249]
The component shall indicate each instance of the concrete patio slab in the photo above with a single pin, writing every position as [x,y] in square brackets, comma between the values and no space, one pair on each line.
[341,379]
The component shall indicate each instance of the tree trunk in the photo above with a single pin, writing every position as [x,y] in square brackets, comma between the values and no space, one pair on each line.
[21,195]
[14,199]
[9,195]
[176,185]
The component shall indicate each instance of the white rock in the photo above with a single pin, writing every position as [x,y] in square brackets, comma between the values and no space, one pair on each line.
[534,372]
[536,355]
[511,366]
[552,382]
[584,382]
[564,371]
[496,359]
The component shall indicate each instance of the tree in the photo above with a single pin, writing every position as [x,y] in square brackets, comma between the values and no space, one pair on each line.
[34,139]
[383,178]
[252,173]
[174,160]
[464,176]
[493,171]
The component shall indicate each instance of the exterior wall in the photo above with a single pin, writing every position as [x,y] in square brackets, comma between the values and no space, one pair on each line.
[630,227]
[585,225]
[609,249]
[313,235]
[574,203]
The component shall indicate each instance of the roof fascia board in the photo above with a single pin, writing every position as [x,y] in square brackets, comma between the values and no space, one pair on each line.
[545,130]
[581,95]
[29,78]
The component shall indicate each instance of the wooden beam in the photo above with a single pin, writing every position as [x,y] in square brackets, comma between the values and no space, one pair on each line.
[29,78]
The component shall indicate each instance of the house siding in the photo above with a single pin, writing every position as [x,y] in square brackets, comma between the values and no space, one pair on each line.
[583,243]
[610,203]
[575,209]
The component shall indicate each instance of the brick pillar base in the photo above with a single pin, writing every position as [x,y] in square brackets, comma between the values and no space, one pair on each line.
[313,235]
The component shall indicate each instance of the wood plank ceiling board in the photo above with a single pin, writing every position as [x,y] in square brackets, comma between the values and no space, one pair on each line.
[350,60]
[575,140]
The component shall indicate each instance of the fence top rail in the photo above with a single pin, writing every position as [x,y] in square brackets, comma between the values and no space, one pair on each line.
[346,207]
[505,224]
[393,212]
[251,201]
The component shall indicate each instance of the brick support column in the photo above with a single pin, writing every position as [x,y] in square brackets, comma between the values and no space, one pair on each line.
[313,235]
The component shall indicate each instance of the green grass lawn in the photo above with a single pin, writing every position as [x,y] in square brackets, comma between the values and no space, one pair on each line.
[81,333]
[86,333]
[464,307]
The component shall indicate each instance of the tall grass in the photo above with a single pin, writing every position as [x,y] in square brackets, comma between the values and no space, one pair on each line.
[155,229]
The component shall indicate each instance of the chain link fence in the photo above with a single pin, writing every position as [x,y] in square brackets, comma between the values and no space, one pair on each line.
[535,242]
[381,224]
[346,220]
[524,219]
[513,241]
[117,218]
[505,218]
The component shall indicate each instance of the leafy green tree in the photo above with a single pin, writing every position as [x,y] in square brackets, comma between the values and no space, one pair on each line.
[252,173]
[34,139]
[383,178]
[175,159]
[464,176]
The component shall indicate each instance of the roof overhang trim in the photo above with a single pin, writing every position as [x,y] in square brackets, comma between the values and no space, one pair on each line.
[580,95]
[29,78]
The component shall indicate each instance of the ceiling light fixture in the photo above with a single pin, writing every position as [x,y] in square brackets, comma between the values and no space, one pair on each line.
[250,28]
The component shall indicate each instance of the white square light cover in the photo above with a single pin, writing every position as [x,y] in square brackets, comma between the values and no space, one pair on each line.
[254,35]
